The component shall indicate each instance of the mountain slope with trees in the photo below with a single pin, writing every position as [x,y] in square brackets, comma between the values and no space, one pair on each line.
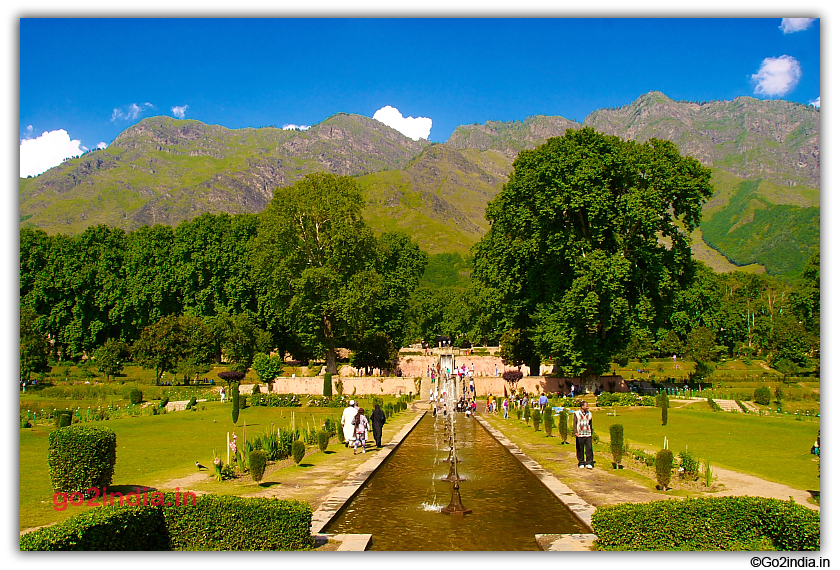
[164,171]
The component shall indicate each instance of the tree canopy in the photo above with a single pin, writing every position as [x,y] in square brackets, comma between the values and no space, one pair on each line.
[321,271]
[589,240]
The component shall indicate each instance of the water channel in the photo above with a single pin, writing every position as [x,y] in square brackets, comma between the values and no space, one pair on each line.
[400,504]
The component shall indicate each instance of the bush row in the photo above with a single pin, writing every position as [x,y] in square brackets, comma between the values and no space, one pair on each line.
[606,399]
[214,522]
[719,523]
[275,400]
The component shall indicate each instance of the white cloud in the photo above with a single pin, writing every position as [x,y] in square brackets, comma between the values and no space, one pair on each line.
[50,149]
[180,112]
[102,145]
[791,25]
[815,102]
[296,127]
[418,128]
[777,76]
[130,112]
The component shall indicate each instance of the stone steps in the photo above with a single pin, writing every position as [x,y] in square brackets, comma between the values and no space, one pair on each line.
[729,406]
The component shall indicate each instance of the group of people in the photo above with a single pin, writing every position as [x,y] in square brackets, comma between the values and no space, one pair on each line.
[582,419]
[355,425]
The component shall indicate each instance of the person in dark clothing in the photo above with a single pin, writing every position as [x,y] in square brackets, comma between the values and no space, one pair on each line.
[377,420]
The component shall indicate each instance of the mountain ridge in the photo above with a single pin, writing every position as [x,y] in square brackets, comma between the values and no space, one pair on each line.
[165,170]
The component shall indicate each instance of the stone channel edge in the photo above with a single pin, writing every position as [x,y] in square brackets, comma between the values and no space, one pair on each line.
[580,508]
[348,489]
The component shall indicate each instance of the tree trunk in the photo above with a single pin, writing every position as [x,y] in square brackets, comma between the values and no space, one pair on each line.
[534,366]
[590,379]
[331,361]
[328,341]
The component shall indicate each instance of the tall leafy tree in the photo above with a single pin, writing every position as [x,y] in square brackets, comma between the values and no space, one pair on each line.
[588,239]
[110,357]
[400,263]
[267,367]
[310,246]
[160,346]
[34,344]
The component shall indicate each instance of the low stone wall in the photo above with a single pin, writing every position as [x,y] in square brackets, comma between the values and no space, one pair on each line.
[539,384]
[484,386]
[362,386]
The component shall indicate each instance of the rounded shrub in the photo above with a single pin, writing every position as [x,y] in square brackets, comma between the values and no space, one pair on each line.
[617,443]
[256,464]
[537,418]
[243,402]
[164,401]
[323,439]
[135,396]
[527,414]
[191,403]
[81,457]
[664,463]
[298,451]
[256,389]
[328,385]
[762,395]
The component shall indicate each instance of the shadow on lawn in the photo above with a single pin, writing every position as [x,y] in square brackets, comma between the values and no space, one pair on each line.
[125,489]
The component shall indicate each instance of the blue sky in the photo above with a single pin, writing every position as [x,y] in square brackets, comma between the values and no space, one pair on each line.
[258,72]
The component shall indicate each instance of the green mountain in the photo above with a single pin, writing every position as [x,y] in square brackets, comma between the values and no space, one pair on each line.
[163,170]
[764,155]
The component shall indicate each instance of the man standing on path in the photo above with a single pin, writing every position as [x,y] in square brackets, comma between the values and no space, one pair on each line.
[583,436]
[347,423]
[543,401]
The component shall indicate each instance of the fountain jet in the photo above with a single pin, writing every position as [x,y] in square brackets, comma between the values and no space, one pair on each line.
[456,506]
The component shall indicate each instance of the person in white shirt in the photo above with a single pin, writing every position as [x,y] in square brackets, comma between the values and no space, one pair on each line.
[347,423]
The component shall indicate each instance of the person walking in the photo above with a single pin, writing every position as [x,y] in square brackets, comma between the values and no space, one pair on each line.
[506,405]
[543,401]
[377,420]
[583,436]
[347,426]
[361,425]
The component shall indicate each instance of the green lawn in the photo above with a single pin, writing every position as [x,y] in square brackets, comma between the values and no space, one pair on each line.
[774,448]
[154,449]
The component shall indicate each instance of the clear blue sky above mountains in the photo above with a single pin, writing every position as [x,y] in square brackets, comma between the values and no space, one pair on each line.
[93,78]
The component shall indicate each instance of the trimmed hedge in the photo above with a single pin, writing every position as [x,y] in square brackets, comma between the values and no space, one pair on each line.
[617,446]
[221,522]
[213,523]
[103,528]
[256,462]
[81,456]
[63,418]
[323,439]
[135,396]
[298,451]
[717,523]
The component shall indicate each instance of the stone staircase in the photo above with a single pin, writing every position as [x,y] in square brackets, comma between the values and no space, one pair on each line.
[732,406]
